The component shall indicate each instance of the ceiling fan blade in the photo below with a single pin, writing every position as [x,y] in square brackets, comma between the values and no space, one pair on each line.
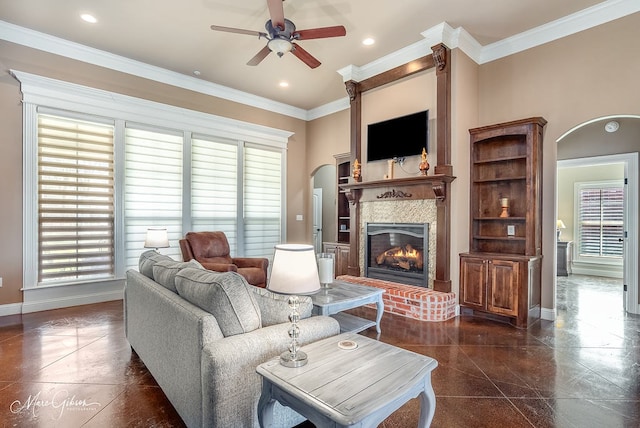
[305,56]
[321,33]
[238,31]
[276,12]
[257,59]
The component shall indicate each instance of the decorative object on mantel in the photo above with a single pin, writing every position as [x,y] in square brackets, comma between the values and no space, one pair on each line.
[356,170]
[559,225]
[504,205]
[389,175]
[424,165]
[394,194]
[294,273]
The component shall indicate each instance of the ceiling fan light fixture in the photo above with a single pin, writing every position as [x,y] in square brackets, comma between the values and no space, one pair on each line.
[280,46]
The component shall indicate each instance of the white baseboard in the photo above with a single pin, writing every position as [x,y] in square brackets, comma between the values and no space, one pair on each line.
[10,309]
[548,314]
[63,296]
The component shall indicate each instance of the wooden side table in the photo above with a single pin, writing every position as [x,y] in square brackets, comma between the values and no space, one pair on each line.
[341,387]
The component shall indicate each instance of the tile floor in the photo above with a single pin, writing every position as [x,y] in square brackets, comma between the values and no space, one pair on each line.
[581,371]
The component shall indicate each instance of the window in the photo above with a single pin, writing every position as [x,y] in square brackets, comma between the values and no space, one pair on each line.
[75,200]
[262,201]
[600,220]
[100,168]
[214,187]
[152,188]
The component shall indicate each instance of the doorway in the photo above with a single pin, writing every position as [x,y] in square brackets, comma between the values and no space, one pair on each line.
[572,159]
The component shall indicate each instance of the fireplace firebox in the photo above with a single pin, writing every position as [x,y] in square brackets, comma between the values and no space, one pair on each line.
[398,252]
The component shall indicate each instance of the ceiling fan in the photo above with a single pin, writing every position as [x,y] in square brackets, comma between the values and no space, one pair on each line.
[281,35]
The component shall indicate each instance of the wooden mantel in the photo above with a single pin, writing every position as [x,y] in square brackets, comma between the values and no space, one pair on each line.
[421,187]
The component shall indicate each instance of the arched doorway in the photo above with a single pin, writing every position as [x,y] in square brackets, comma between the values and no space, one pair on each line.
[594,159]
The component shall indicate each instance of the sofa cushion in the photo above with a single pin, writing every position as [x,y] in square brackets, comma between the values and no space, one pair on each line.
[226,295]
[164,272]
[148,259]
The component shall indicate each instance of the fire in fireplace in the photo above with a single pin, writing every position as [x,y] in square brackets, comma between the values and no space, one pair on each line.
[398,252]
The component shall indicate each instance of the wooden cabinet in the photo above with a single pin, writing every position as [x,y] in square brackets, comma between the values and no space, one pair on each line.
[343,214]
[341,251]
[501,272]
[505,285]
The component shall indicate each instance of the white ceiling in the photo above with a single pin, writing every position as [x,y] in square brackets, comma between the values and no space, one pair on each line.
[175,35]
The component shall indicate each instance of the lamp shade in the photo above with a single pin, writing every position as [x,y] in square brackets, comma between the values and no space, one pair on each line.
[560,225]
[156,238]
[294,270]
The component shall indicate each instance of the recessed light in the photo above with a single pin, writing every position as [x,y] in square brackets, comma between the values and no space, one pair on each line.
[611,126]
[284,84]
[88,18]
[368,41]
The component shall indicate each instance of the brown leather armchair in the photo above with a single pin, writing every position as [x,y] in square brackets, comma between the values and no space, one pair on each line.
[211,249]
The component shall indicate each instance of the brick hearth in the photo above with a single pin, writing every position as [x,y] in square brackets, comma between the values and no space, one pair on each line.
[410,301]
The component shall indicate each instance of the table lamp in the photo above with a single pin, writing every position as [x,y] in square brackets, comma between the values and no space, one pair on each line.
[294,272]
[559,225]
[156,238]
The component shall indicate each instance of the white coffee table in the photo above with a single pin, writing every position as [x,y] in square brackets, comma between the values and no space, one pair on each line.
[339,387]
[341,296]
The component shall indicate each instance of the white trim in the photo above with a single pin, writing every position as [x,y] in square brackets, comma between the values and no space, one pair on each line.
[10,309]
[631,163]
[548,314]
[63,296]
[571,24]
[48,92]
[45,42]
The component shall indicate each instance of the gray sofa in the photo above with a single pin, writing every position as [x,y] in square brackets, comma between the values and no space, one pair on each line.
[202,334]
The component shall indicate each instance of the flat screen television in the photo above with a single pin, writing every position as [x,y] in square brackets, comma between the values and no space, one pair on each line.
[398,137]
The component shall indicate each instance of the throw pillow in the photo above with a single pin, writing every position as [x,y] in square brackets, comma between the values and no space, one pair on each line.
[148,259]
[226,295]
[164,272]
[274,308]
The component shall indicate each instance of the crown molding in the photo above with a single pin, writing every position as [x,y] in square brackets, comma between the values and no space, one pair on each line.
[44,42]
[571,24]
[442,33]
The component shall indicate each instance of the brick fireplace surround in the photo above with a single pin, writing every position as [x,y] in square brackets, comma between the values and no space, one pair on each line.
[411,301]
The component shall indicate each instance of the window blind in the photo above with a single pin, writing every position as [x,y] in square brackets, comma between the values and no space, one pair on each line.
[214,188]
[75,199]
[262,201]
[601,221]
[153,189]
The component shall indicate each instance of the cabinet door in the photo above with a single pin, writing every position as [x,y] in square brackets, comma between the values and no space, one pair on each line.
[473,282]
[503,287]
[342,259]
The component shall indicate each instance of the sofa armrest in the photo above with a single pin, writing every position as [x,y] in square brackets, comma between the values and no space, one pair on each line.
[229,368]
[220,267]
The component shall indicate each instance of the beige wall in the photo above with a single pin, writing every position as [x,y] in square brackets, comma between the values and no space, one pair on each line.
[37,62]
[568,82]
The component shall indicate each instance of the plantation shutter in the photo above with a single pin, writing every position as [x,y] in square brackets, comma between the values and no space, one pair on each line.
[75,200]
[153,188]
[262,201]
[214,188]
[601,225]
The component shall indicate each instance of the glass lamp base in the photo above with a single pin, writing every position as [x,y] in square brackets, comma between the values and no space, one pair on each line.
[289,359]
